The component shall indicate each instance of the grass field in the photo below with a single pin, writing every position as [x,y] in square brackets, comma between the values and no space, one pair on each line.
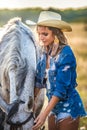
[77,39]
[78,42]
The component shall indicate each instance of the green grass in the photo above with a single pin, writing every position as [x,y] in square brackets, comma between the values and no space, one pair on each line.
[83,123]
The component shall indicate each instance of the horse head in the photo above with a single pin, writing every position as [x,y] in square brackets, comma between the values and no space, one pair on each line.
[18,56]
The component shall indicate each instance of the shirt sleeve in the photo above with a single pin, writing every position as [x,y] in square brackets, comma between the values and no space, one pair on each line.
[64,76]
[39,80]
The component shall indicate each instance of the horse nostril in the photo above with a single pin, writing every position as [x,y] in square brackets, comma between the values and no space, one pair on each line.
[34,123]
[18,122]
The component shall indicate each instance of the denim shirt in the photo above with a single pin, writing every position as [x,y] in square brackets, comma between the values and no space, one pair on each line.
[62,79]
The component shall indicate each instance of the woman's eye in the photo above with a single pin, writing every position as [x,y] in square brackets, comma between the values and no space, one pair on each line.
[45,34]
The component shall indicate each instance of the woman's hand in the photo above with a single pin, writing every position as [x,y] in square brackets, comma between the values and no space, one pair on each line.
[39,121]
[42,117]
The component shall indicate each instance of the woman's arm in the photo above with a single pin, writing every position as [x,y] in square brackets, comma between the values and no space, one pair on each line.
[54,100]
[42,117]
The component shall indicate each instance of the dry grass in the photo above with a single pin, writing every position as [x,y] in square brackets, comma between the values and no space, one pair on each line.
[78,42]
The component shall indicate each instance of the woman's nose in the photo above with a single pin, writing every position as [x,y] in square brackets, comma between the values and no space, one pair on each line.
[41,37]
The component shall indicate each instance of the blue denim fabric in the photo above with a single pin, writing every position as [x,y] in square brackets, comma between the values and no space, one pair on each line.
[61,116]
[62,79]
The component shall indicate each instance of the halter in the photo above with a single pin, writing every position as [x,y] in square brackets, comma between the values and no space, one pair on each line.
[18,125]
[15,126]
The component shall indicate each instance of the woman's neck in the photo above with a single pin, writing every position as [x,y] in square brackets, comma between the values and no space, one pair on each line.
[49,48]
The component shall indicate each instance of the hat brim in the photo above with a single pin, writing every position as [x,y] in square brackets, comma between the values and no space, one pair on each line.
[64,26]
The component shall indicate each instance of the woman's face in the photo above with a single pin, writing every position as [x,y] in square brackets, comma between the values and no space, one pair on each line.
[46,37]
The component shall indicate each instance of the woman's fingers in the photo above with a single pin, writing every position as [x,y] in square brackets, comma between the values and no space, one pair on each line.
[37,123]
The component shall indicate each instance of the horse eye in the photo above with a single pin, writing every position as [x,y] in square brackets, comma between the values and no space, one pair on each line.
[30,103]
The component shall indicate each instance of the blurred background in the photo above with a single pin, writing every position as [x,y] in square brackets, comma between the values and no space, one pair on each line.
[73,12]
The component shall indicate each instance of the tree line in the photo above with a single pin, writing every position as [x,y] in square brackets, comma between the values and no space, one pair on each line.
[69,15]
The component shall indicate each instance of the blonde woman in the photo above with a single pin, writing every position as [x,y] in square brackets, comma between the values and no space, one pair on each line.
[56,71]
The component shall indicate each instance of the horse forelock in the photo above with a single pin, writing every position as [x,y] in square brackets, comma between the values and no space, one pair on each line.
[13,25]
[11,57]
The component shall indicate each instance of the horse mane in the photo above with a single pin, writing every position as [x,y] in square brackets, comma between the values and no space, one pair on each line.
[12,59]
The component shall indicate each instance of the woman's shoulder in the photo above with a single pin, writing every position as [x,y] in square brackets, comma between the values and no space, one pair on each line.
[66,55]
[67,50]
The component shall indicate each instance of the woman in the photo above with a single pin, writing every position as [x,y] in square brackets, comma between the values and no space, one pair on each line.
[56,71]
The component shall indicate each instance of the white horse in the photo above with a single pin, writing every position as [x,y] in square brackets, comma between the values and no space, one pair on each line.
[18,57]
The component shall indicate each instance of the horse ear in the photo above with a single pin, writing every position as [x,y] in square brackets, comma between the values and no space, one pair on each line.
[29,104]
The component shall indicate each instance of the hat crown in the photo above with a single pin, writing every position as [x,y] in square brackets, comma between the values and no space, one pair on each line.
[51,19]
[48,15]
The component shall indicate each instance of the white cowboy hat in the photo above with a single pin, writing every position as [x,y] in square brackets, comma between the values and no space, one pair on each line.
[51,19]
